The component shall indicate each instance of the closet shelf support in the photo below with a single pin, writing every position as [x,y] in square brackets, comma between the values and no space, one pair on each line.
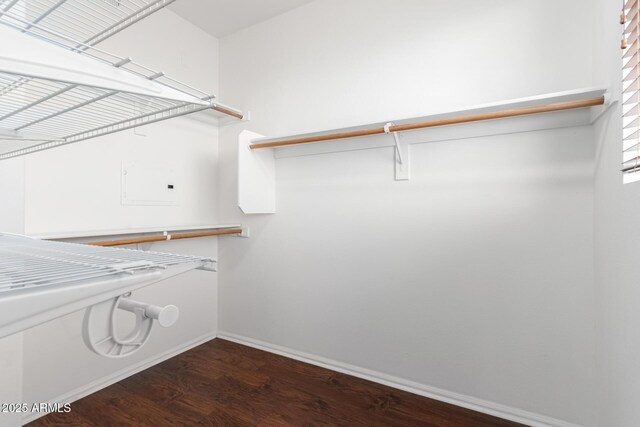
[401,152]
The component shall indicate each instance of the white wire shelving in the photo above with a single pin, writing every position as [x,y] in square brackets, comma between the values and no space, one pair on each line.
[88,21]
[41,280]
[38,113]
[28,263]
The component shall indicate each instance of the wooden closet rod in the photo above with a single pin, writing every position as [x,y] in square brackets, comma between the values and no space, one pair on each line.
[163,238]
[513,112]
[229,112]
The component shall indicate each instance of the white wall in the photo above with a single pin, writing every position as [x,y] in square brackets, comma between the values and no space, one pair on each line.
[617,246]
[475,276]
[11,379]
[12,193]
[77,188]
[11,221]
[331,64]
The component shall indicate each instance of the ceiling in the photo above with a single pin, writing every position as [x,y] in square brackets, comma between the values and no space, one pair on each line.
[223,17]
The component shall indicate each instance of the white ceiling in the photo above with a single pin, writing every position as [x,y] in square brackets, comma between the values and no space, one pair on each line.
[223,17]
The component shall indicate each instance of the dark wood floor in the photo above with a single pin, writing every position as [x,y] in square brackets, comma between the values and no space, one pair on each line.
[225,384]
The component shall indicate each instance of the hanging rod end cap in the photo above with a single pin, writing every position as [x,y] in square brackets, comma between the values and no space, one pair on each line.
[245,232]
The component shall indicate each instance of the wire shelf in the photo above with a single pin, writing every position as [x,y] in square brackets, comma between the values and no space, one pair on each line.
[31,263]
[38,114]
[87,21]
[64,113]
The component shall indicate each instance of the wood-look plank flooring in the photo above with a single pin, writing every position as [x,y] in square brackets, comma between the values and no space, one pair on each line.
[221,383]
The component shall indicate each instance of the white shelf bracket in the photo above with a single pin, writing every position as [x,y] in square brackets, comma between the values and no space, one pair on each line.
[401,153]
[256,176]
[599,111]
[245,233]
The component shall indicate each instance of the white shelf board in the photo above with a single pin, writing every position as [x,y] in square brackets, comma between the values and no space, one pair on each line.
[128,231]
[256,168]
[516,124]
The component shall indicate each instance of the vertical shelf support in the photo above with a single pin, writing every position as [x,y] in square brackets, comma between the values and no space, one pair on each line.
[256,177]
[401,154]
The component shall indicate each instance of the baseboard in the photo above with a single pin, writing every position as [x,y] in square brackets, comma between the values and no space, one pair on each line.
[469,402]
[101,383]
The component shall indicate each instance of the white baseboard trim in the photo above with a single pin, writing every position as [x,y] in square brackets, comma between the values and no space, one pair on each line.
[101,383]
[469,402]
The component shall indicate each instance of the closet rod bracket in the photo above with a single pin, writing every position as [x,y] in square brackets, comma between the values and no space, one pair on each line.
[401,153]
